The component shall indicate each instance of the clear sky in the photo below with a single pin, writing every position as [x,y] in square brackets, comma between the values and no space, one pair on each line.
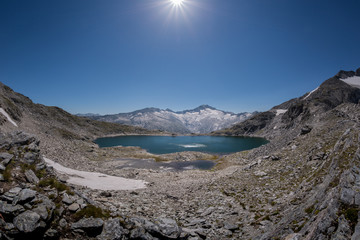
[111,56]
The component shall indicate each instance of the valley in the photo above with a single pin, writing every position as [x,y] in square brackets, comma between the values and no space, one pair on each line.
[304,184]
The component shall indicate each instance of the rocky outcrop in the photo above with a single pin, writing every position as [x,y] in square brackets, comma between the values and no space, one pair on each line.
[36,205]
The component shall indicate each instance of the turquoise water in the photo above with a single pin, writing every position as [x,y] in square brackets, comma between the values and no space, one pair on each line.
[169,144]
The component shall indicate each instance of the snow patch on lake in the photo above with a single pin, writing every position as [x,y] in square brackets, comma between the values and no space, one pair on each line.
[195,145]
[8,117]
[95,180]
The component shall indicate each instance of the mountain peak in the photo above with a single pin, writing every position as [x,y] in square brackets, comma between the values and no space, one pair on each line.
[204,106]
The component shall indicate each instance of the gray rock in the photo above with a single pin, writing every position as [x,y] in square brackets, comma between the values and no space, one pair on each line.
[31,177]
[2,178]
[275,158]
[140,233]
[26,195]
[2,167]
[67,199]
[27,221]
[347,196]
[62,223]
[357,199]
[169,228]
[343,231]
[11,210]
[230,226]
[208,211]
[5,158]
[112,230]
[51,234]
[74,207]
[91,226]
[305,130]
[11,194]
[42,211]
[30,157]
[40,166]
[356,234]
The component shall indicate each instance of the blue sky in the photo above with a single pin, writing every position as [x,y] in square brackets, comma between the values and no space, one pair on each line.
[122,55]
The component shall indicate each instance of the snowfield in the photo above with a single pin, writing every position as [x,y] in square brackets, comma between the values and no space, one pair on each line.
[96,180]
[8,117]
[352,81]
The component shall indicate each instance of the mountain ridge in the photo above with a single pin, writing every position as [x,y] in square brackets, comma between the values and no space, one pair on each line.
[202,119]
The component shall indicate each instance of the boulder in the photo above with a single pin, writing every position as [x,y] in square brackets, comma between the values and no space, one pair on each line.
[31,177]
[91,226]
[28,221]
[10,210]
[74,207]
[305,130]
[26,195]
[112,230]
[168,228]
[11,194]
[347,196]
[5,158]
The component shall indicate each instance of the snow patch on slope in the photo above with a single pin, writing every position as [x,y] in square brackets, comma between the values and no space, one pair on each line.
[352,81]
[280,111]
[311,93]
[96,180]
[8,117]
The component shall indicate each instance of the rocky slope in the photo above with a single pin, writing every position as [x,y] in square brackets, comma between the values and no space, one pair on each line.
[203,119]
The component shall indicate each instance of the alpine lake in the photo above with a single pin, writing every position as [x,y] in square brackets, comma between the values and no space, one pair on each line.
[218,145]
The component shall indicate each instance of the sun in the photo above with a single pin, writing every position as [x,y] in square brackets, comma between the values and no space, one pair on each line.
[177,2]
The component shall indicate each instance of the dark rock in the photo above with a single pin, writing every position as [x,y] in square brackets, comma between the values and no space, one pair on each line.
[275,158]
[358,72]
[105,194]
[305,130]
[345,74]
[112,230]
[28,221]
[91,226]
[31,177]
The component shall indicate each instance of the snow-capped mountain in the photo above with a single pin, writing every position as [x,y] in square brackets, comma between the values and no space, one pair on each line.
[203,119]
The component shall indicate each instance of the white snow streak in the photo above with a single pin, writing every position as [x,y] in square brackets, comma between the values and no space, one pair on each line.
[96,180]
[280,111]
[310,93]
[352,81]
[8,117]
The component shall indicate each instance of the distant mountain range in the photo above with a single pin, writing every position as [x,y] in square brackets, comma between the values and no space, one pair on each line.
[203,119]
